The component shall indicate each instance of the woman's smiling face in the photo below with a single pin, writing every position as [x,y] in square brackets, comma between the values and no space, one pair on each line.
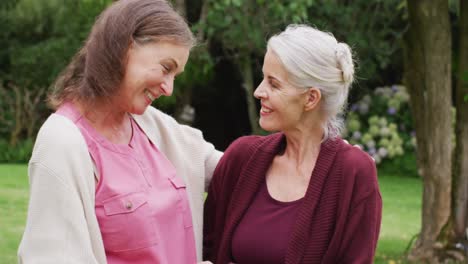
[150,73]
[282,103]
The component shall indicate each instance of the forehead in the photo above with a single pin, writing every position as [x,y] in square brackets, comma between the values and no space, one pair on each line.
[273,66]
[159,51]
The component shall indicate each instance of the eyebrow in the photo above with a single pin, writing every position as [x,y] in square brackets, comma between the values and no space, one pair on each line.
[271,78]
[171,60]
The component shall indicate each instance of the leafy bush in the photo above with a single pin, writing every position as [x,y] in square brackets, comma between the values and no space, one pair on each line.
[381,124]
[19,153]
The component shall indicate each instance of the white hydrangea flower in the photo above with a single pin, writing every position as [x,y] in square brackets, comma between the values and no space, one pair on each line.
[382,152]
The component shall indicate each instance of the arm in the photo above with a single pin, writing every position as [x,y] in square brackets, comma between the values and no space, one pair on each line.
[209,214]
[363,230]
[61,225]
[212,210]
[211,155]
[363,223]
[220,190]
[56,229]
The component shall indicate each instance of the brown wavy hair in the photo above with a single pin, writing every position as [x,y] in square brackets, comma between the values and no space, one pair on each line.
[97,69]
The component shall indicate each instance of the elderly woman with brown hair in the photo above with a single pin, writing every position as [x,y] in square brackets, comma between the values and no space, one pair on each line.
[112,179]
[301,195]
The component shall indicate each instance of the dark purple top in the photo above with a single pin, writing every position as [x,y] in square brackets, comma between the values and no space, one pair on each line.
[338,221]
[263,233]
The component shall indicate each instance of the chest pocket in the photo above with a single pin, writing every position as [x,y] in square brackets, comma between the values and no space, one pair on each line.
[126,223]
[182,200]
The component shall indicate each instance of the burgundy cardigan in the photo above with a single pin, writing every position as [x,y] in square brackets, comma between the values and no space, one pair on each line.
[338,222]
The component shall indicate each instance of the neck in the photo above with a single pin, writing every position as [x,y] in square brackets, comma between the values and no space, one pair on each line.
[303,144]
[109,121]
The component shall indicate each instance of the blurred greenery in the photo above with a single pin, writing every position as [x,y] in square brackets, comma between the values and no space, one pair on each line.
[38,38]
[381,124]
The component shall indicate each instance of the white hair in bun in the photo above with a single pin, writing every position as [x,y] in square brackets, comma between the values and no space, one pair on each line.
[314,58]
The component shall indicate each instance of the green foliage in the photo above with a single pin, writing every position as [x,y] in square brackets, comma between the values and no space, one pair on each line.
[243,26]
[42,36]
[19,153]
[404,165]
[373,29]
[381,124]
[38,38]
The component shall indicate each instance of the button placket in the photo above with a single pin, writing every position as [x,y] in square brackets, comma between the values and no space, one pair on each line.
[144,171]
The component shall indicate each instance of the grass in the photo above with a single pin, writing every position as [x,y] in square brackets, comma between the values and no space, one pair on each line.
[13,208]
[401,219]
[401,213]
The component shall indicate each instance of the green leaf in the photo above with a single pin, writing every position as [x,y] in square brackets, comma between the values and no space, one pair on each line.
[237,3]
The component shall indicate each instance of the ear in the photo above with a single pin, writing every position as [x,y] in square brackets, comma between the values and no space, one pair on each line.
[313,98]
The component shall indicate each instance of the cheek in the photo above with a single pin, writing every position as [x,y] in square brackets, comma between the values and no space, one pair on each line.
[153,78]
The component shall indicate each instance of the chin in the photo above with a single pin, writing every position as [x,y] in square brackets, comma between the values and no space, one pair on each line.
[268,127]
[139,110]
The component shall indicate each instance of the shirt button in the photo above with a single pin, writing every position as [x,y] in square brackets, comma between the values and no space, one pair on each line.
[128,205]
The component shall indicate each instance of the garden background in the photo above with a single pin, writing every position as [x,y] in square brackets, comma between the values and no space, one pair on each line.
[407,109]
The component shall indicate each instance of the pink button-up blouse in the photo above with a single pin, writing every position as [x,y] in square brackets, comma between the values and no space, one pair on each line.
[141,204]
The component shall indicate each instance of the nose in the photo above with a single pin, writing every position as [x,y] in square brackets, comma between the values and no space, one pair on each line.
[260,92]
[167,87]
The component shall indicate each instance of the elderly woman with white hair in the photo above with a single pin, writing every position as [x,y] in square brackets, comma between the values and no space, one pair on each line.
[301,195]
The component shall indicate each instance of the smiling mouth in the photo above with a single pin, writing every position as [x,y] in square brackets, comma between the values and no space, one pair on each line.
[150,96]
[265,110]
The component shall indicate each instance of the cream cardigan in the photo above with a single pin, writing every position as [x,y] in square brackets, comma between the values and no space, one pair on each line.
[61,224]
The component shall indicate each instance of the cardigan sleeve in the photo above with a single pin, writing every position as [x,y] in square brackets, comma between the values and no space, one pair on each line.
[363,223]
[219,193]
[211,155]
[56,229]
[209,217]
[213,207]
[61,226]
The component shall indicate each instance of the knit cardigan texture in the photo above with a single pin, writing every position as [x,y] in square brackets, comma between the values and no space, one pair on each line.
[61,224]
[338,221]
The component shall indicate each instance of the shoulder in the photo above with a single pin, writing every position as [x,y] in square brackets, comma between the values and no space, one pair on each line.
[243,148]
[59,133]
[59,143]
[247,144]
[358,167]
[164,125]
[243,142]
[354,156]
[152,115]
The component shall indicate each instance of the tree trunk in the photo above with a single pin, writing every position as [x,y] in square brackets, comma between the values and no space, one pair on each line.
[248,84]
[454,234]
[428,78]
[460,176]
